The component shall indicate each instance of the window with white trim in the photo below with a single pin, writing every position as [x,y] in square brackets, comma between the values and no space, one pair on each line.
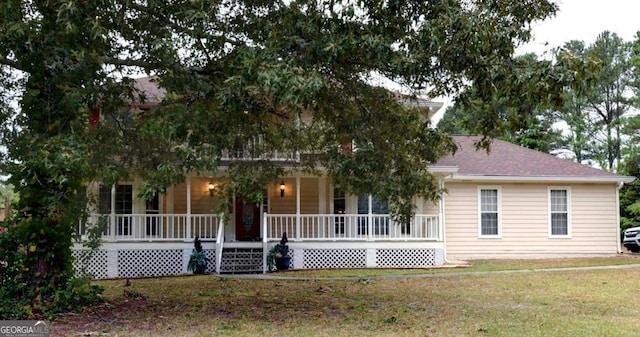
[489,212]
[376,208]
[559,212]
[123,206]
[265,201]
[339,206]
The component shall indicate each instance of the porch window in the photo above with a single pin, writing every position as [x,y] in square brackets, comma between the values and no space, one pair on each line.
[339,204]
[123,119]
[489,217]
[265,201]
[104,204]
[82,196]
[368,204]
[153,208]
[559,212]
[123,205]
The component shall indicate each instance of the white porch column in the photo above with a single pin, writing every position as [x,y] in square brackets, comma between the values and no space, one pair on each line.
[419,225]
[112,223]
[298,224]
[441,214]
[322,206]
[169,221]
[188,224]
[322,195]
[370,220]
[420,202]
[169,200]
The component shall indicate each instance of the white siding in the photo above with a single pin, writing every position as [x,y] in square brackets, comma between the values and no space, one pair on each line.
[429,207]
[525,222]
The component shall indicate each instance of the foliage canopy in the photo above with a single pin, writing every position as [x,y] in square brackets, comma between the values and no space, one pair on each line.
[233,71]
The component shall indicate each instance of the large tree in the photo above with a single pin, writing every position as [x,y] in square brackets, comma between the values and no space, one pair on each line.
[595,111]
[579,133]
[630,193]
[521,113]
[60,60]
[236,72]
[610,98]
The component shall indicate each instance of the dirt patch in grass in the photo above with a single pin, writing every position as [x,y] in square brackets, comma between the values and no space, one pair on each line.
[119,312]
[176,305]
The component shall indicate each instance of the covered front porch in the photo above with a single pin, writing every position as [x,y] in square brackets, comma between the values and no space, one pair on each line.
[325,228]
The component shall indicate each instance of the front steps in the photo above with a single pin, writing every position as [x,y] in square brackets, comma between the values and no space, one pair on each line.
[241,261]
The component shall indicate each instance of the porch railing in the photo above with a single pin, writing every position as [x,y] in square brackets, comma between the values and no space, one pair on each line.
[302,227]
[152,227]
[350,227]
[249,156]
[256,149]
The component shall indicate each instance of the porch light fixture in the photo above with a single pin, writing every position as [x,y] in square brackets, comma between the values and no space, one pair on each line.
[212,186]
[281,188]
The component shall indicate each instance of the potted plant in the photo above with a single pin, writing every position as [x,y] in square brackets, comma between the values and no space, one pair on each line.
[278,255]
[198,260]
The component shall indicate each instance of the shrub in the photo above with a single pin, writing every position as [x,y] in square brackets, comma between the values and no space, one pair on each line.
[18,300]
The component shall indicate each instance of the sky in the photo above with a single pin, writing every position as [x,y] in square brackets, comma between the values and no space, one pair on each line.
[580,20]
[583,20]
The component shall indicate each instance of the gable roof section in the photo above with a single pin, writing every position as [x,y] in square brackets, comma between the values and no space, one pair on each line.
[506,161]
[419,102]
[154,93]
[149,86]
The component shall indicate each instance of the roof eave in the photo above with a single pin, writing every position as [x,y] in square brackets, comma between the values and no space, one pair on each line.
[443,169]
[573,179]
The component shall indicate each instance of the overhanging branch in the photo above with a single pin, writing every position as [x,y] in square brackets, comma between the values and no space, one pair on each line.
[139,63]
[129,62]
[11,63]
[107,60]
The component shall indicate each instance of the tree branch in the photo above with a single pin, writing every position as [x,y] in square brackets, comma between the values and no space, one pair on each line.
[11,63]
[108,60]
[128,62]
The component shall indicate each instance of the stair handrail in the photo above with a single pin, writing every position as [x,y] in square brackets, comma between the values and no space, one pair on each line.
[219,243]
[265,247]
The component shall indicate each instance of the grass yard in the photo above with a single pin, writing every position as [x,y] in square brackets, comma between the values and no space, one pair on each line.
[458,303]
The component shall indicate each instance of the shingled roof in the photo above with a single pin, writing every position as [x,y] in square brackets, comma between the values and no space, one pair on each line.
[509,160]
[153,93]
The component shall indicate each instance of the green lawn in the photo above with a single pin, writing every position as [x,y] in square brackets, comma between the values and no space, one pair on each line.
[458,303]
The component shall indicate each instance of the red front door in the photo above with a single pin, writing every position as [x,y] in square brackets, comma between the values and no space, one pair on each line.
[247,220]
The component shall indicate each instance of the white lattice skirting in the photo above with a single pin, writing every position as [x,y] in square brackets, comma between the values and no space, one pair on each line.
[405,257]
[93,263]
[367,258]
[135,262]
